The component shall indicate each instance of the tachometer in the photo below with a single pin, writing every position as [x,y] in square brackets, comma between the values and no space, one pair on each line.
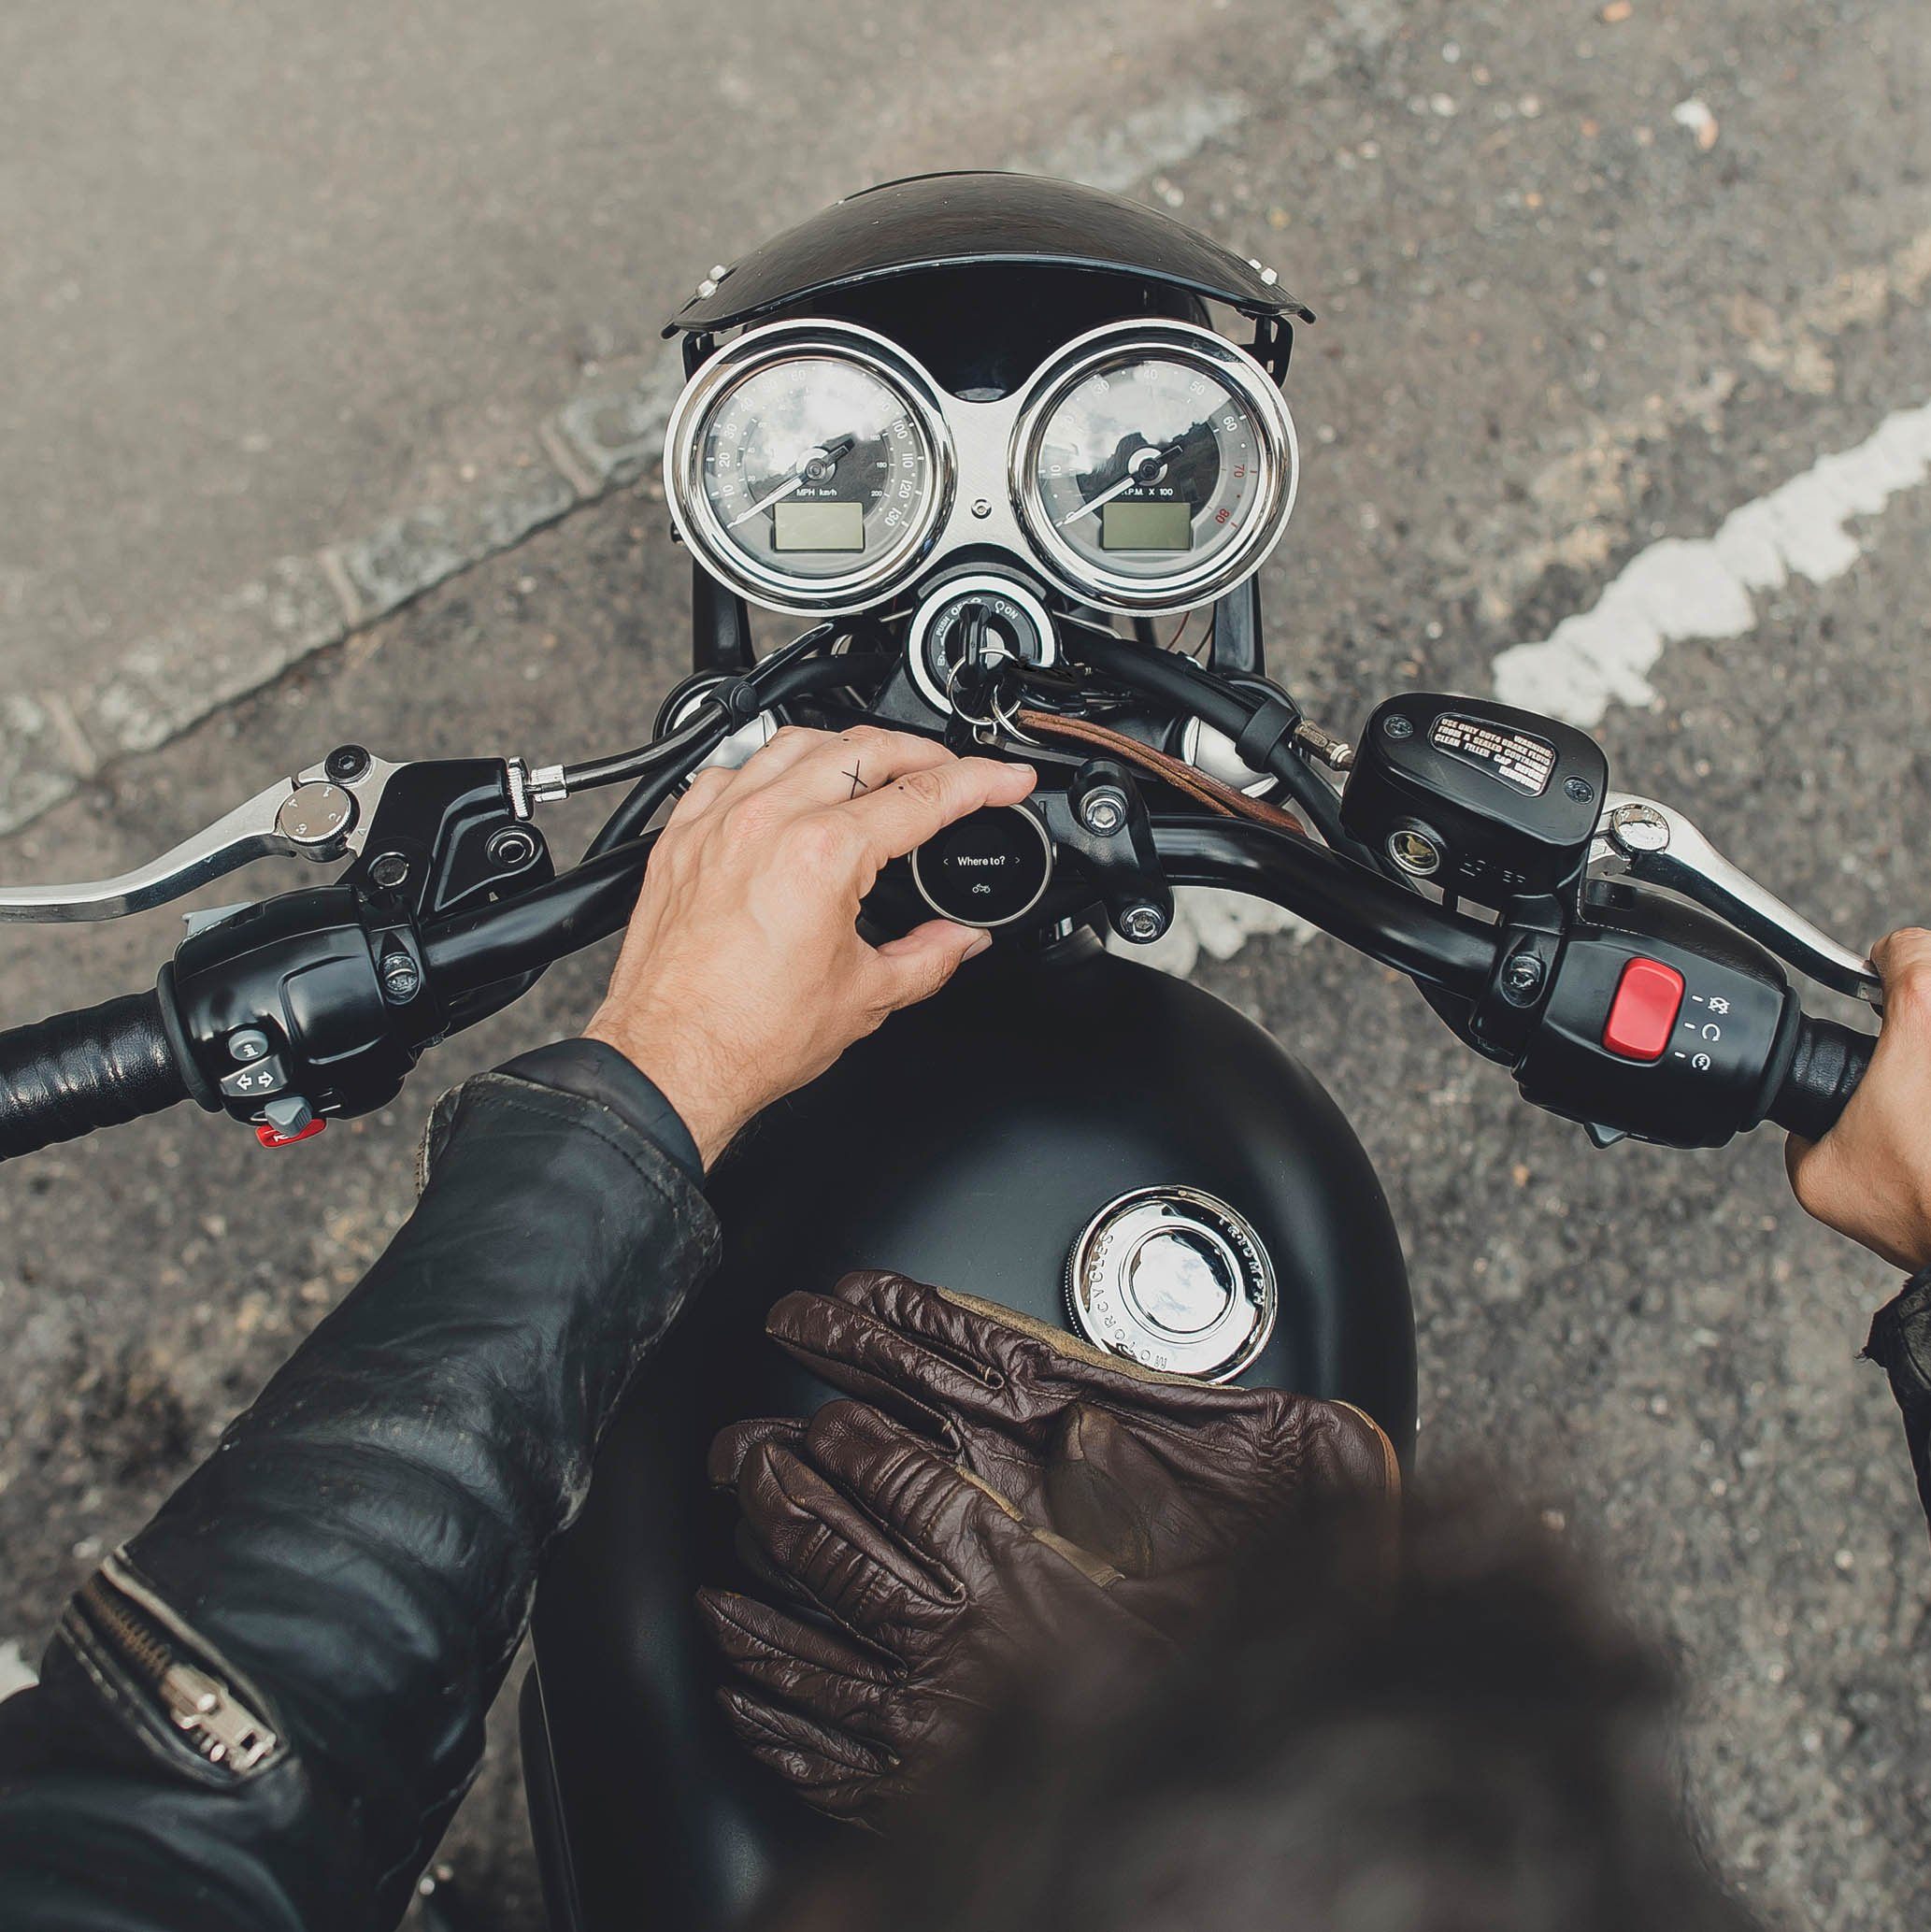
[1155,467]
[809,469]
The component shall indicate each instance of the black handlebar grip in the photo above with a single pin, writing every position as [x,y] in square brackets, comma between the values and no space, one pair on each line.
[65,1077]
[1825,1071]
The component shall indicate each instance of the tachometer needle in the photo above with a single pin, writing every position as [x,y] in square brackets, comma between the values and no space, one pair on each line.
[1162,453]
[821,460]
[1099,502]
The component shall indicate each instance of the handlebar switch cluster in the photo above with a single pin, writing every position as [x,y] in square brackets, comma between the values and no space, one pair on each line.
[1665,1026]
[285,1011]
[320,1002]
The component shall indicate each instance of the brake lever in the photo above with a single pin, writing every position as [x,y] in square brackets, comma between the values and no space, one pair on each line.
[321,813]
[1660,846]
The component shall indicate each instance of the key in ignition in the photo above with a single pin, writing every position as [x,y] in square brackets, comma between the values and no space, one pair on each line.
[979,618]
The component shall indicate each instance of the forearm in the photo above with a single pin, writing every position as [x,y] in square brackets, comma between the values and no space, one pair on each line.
[359,1555]
[1900,1341]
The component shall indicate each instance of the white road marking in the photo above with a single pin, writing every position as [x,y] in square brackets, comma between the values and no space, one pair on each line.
[1577,511]
[1706,587]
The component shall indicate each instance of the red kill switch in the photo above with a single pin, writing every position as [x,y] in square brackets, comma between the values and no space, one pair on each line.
[1642,1015]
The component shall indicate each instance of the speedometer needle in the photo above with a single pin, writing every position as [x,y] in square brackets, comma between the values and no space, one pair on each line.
[764,502]
[824,460]
[1125,482]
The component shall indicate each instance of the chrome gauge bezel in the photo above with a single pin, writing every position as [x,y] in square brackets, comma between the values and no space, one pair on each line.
[981,457]
[689,503]
[1278,454]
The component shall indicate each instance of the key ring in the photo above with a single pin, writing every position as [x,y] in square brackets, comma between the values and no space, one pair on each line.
[1004,718]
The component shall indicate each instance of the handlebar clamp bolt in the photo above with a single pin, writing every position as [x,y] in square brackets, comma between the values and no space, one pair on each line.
[390,870]
[1103,809]
[1142,924]
[346,764]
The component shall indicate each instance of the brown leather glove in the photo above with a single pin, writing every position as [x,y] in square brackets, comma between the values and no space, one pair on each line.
[925,1586]
[1156,1472]
[1142,1482]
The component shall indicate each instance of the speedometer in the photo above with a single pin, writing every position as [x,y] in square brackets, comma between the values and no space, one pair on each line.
[809,469]
[1155,467]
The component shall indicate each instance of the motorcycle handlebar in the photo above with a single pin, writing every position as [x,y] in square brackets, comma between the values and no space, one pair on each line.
[65,1077]
[1825,1071]
[95,1068]
[526,934]
[1361,909]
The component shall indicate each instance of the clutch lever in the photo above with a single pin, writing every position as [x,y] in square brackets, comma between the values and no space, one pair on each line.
[1657,844]
[321,813]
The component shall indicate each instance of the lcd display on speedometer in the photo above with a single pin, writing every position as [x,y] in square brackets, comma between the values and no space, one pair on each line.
[836,525]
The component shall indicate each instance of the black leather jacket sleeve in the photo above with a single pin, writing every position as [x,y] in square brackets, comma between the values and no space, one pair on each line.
[1900,1343]
[262,1710]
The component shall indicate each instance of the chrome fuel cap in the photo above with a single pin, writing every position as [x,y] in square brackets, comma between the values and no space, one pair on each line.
[1174,1279]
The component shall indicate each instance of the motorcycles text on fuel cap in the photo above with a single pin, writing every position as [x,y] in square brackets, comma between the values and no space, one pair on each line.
[1174,1279]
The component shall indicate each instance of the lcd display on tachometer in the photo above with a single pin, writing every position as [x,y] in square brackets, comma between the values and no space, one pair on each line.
[1147,524]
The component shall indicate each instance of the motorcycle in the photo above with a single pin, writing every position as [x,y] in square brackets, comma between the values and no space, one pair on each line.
[980,432]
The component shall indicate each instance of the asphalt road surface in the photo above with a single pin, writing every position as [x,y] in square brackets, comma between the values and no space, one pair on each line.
[294,305]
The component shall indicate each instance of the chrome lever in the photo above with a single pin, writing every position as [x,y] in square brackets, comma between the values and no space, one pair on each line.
[314,815]
[1660,846]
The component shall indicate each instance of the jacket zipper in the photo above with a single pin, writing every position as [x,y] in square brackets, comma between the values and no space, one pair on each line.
[214,1721]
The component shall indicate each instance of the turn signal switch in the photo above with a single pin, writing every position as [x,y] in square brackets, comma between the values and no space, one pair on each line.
[1663,1024]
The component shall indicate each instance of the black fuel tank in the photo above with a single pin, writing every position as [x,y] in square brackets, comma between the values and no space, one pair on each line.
[968,1142]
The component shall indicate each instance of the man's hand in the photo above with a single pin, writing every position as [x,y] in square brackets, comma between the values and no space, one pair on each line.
[743,975]
[1871,1175]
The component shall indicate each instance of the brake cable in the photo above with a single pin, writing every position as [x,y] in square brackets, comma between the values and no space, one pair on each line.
[784,674]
